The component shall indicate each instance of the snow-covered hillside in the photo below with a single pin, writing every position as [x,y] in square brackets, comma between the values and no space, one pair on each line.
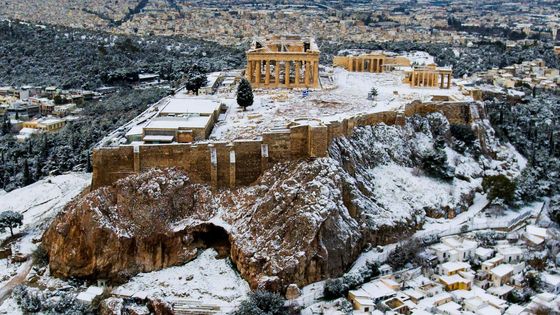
[206,278]
[40,202]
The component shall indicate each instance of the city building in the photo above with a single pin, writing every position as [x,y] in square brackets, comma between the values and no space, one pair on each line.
[45,124]
[179,120]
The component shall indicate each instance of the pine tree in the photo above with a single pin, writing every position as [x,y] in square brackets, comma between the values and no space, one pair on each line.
[6,125]
[26,176]
[39,169]
[11,220]
[244,94]
[373,93]
[195,79]
[89,167]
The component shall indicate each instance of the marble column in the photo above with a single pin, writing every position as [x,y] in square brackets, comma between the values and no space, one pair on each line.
[287,73]
[258,73]
[316,74]
[276,73]
[297,81]
[249,73]
[267,73]
[306,74]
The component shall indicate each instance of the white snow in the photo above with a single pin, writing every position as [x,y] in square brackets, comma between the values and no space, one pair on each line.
[404,194]
[206,279]
[40,202]
[274,109]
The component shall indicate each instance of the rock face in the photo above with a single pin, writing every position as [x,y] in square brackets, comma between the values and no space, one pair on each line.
[118,231]
[301,222]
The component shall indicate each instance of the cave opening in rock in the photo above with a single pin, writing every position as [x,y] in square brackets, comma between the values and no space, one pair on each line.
[212,236]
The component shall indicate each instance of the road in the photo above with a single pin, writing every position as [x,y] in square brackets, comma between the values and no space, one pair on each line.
[22,273]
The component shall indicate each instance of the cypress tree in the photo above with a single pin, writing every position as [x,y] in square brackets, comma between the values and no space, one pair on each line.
[26,176]
[244,94]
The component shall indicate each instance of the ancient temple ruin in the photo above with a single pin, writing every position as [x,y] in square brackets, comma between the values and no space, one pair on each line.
[283,62]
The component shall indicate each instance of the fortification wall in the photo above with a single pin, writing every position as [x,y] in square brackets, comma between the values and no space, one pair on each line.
[241,162]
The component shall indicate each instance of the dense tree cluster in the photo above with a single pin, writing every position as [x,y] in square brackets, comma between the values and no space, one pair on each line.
[499,186]
[72,58]
[33,300]
[70,148]
[404,253]
[339,287]
[464,60]
[532,127]
[262,303]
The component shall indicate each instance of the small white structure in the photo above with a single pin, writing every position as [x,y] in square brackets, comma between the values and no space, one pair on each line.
[491,263]
[515,309]
[365,298]
[501,274]
[453,248]
[88,296]
[454,267]
[551,282]
[510,253]
[535,235]
[483,254]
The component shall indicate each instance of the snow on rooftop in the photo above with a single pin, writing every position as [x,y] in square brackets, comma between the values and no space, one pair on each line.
[550,279]
[489,310]
[190,105]
[509,250]
[502,270]
[453,279]
[450,308]
[484,252]
[374,290]
[515,309]
[500,291]
[158,138]
[536,231]
[178,122]
[452,266]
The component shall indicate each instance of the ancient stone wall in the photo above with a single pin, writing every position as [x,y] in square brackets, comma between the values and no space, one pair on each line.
[223,164]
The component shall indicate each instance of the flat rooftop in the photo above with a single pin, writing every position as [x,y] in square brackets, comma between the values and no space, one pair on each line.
[190,122]
[179,106]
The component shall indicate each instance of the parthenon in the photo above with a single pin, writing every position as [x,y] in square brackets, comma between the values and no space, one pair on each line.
[283,61]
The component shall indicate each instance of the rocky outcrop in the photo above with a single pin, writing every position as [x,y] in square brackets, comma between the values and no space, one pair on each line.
[118,231]
[301,222]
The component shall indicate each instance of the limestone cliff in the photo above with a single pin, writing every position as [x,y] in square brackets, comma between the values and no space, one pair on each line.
[300,222]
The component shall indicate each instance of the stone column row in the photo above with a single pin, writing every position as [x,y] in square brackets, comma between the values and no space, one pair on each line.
[430,79]
[310,69]
[359,64]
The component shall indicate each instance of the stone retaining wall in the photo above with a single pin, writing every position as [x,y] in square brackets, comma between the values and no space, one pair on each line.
[241,162]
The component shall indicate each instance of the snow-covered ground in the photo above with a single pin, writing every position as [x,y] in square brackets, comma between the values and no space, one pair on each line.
[277,107]
[40,202]
[398,189]
[206,279]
